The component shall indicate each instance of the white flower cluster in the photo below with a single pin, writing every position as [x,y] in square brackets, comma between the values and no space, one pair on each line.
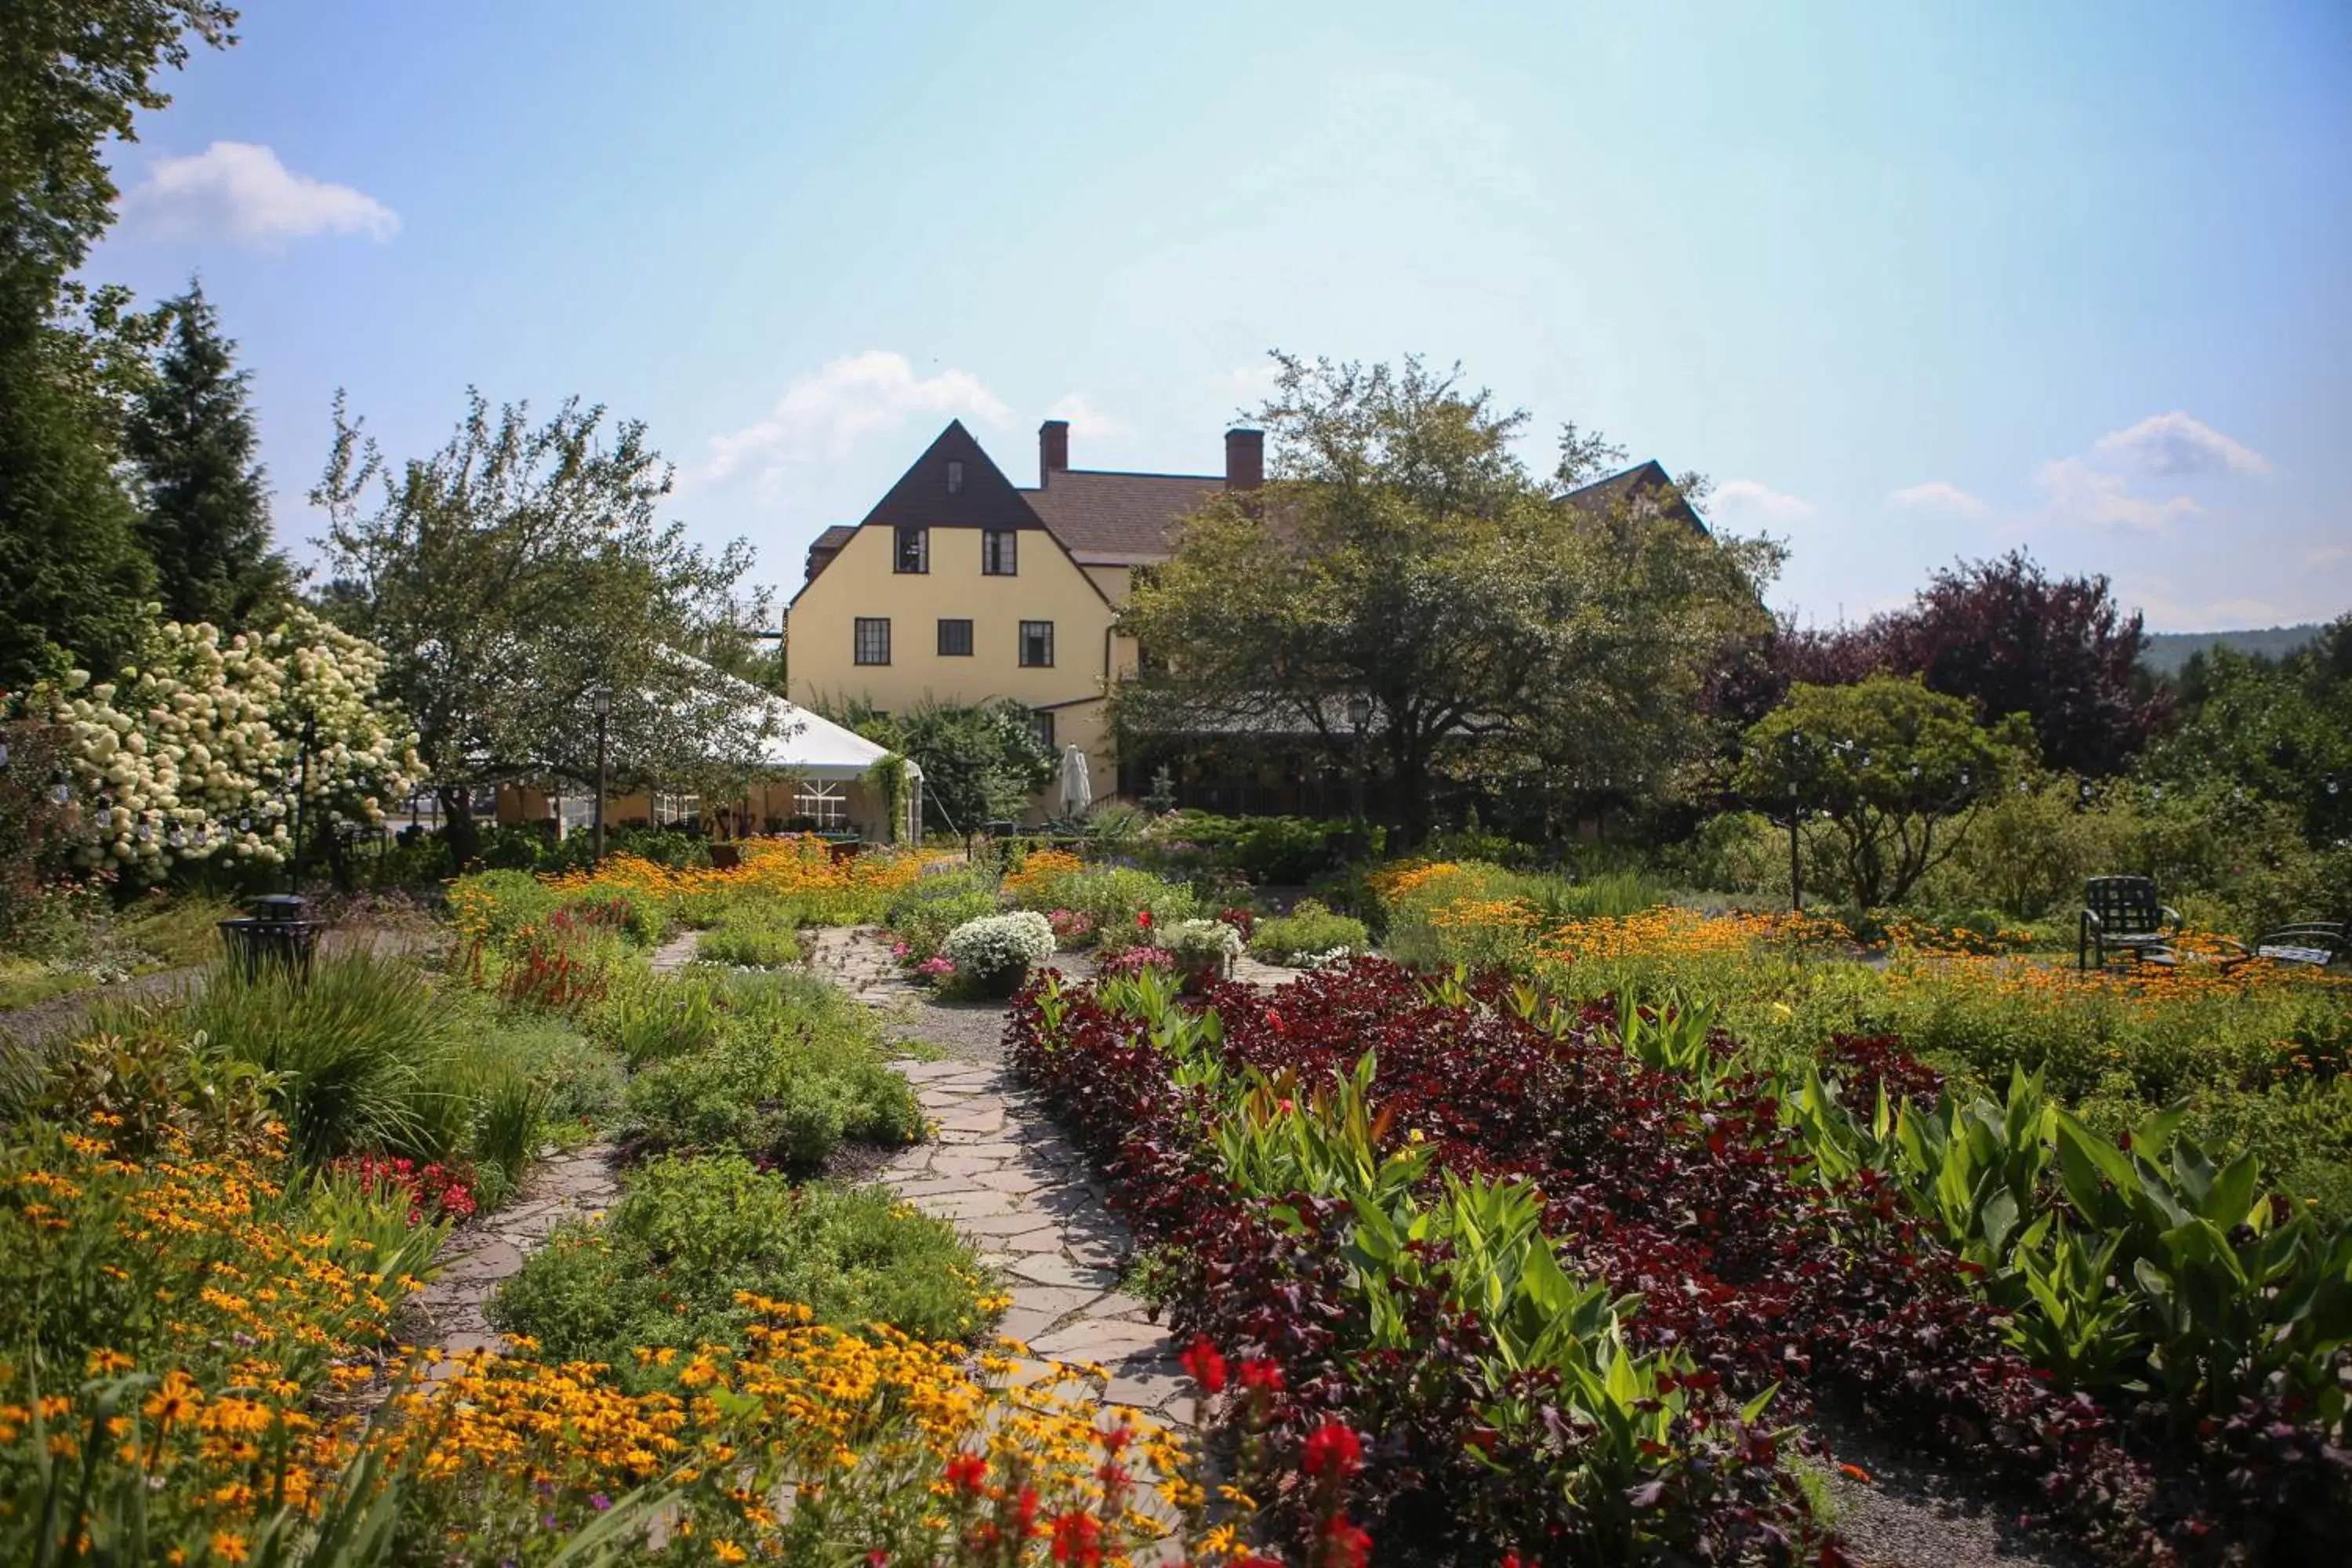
[1320,959]
[197,752]
[994,943]
[1202,942]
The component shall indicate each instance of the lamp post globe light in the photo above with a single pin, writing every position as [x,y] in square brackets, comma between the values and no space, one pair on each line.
[600,703]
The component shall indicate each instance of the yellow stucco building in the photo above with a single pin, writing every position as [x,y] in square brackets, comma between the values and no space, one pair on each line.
[962,587]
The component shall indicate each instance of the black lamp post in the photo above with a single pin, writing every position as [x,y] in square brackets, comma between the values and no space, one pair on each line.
[1359,717]
[601,703]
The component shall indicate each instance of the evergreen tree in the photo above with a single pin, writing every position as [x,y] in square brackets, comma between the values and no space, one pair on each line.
[74,74]
[191,435]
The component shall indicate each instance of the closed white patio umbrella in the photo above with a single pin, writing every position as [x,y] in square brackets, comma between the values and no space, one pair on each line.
[1077,784]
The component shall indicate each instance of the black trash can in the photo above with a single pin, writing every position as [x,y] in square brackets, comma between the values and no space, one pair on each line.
[274,933]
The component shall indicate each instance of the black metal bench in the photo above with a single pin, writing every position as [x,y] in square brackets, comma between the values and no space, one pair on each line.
[2121,913]
[2315,943]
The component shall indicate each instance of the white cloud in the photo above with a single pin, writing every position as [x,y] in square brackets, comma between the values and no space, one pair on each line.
[1940,495]
[2174,444]
[1756,501]
[2081,494]
[239,191]
[2327,556]
[823,416]
[1085,419]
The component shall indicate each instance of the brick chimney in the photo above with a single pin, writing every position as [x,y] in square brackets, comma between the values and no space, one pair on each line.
[1245,459]
[1053,450]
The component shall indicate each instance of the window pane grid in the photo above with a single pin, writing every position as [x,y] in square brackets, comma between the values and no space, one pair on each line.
[872,640]
[914,550]
[1037,643]
[955,639]
[1000,552]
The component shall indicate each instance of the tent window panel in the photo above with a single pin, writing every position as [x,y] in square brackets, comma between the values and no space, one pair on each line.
[822,803]
[873,640]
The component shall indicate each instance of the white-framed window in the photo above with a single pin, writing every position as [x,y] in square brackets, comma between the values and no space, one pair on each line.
[824,802]
[955,475]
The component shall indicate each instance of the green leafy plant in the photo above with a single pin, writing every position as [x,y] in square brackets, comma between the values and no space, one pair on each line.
[664,1268]
[1308,929]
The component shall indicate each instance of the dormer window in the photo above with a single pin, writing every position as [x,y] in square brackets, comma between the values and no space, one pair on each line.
[955,477]
[914,550]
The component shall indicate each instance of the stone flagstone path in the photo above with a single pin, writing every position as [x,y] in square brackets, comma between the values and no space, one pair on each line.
[580,1184]
[576,1185]
[1005,1177]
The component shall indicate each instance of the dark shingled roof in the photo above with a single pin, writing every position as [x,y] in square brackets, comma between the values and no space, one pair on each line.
[1118,520]
[1637,483]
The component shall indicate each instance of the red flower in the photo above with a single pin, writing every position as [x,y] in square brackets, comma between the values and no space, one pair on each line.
[1205,1365]
[966,1472]
[1077,1539]
[1261,1377]
[1333,1451]
[1143,919]
[1024,1512]
[1349,1546]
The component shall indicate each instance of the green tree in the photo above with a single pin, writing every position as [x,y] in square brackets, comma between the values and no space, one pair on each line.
[208,521]
[74,75]
[980,761]
[1900,769]
[2278,729]
[514,573]
[1403,557]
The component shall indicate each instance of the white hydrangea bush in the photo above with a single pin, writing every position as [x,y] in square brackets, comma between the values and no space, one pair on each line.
[196,751]
[993,944]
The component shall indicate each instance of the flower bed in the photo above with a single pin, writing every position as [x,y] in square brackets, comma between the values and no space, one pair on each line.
[1665,1167]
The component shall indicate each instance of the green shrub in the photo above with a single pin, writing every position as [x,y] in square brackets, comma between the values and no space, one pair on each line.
[637,916]
[1305,930]
[664,1268]
[502,902]
[1112,897]
[581,1079]
[798,1070]
[650,1017]
[754,935]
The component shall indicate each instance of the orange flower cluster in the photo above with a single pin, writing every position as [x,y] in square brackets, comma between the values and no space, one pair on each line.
[1042,867]
[2143,987]
[1398,883]
[1670,933]
[786,864]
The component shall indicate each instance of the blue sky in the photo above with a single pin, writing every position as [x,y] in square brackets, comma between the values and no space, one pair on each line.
[1909,282]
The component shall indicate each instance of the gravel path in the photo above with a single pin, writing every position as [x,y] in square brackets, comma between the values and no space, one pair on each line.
[1912,1513]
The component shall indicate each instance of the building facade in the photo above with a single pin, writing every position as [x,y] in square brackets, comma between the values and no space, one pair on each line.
[962,587]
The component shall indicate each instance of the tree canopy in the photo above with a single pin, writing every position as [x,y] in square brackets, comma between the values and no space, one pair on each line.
[74,75]
[2012,638]
[518,570]
[191,435]
[1900,768]
[1402,555]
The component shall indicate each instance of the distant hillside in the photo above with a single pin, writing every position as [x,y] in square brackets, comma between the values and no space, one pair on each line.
[2168,651]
